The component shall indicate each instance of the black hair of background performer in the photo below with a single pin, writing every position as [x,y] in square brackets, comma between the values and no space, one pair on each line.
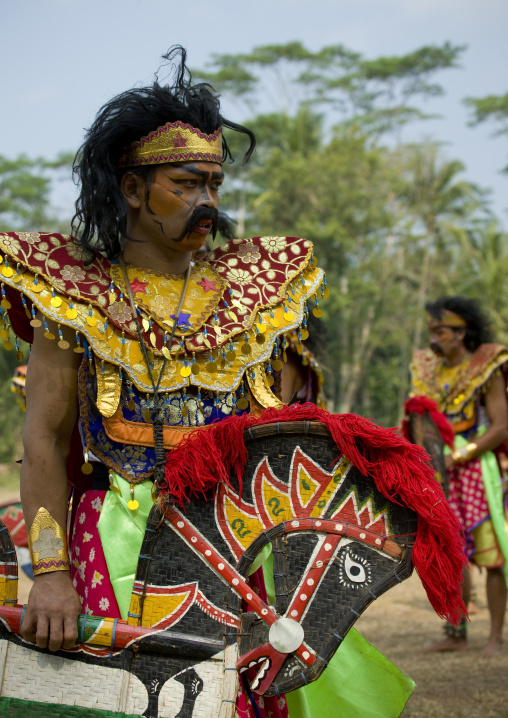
[478,330]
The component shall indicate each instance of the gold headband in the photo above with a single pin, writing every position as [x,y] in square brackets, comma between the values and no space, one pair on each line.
[174,142]
[448,319]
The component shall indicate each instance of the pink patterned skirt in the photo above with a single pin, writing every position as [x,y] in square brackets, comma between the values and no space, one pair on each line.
[467,499]
[89,571]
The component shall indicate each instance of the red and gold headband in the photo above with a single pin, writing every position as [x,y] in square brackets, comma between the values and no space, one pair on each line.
[174,142]
[448,319]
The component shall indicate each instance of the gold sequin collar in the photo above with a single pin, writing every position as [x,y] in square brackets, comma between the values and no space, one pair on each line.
[426,369]
[158,294]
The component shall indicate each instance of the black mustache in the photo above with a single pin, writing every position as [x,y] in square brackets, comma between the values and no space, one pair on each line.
[436,349]
[198,216]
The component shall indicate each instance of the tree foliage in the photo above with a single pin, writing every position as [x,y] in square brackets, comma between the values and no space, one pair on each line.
[25,189]
[493,108]
[25,196]
[393,224]
[377,92]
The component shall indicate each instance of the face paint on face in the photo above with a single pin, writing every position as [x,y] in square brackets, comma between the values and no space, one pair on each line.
[182,200]
[444,340]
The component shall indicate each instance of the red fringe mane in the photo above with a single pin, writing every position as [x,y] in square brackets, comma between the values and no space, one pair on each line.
[421,404]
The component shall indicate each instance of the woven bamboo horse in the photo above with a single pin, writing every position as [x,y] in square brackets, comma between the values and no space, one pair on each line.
[337,541]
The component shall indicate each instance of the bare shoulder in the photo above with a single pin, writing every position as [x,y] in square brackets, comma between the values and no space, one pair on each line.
[497,387]
[496,402]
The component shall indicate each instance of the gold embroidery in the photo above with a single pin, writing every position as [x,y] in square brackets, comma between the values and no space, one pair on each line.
[173,142]
[159,294]
[252,294]
[109,344]
[249,253]
[273,244]
[276,308]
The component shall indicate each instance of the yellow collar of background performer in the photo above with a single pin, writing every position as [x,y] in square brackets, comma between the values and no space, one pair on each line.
[174,142]
[448,319]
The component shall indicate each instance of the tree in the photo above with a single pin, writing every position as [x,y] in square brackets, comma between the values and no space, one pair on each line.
[341,195]
[481,268]
[11,415]
[492,107]
[384,217]
[393,224]
[25,187]
[378,91]
[436,199]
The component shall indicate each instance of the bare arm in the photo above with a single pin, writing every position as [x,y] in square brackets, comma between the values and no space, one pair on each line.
[51,391]
[496,407]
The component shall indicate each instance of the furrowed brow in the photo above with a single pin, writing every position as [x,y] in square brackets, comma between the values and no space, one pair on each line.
[196,171]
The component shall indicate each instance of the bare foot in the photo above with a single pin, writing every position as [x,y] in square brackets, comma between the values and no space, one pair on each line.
[491,650]
[450,643]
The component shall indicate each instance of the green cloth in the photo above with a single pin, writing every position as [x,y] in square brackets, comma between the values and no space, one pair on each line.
[494,492]
[122,531]
[16,708]
[262,556]
[359,681]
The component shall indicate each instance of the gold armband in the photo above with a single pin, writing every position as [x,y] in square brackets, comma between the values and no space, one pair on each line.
[48,544]
[464,454]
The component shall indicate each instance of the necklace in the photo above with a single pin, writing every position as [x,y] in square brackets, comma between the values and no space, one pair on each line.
[448,378]
[157,418]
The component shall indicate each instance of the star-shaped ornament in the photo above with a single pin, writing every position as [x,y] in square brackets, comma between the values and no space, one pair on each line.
[138,286]
[179,141]
[207,284]
[183,319]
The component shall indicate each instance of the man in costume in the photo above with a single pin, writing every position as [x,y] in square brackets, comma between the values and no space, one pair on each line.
[135,347]
[465,374]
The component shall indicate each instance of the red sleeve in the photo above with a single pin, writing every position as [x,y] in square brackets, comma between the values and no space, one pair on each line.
[19,319]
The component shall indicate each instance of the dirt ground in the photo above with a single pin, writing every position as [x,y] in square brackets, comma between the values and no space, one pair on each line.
[456,685]
[460,685]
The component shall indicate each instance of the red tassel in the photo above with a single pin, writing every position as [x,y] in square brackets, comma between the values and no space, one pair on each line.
[398,468]
[421,404]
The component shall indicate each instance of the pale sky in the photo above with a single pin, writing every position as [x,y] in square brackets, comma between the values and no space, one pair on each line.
[62,59]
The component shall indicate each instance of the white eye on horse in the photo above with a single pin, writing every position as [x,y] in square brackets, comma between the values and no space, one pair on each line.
[354,570]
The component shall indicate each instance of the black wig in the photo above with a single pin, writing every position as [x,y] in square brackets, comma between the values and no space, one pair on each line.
[478,330]
[101,210]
